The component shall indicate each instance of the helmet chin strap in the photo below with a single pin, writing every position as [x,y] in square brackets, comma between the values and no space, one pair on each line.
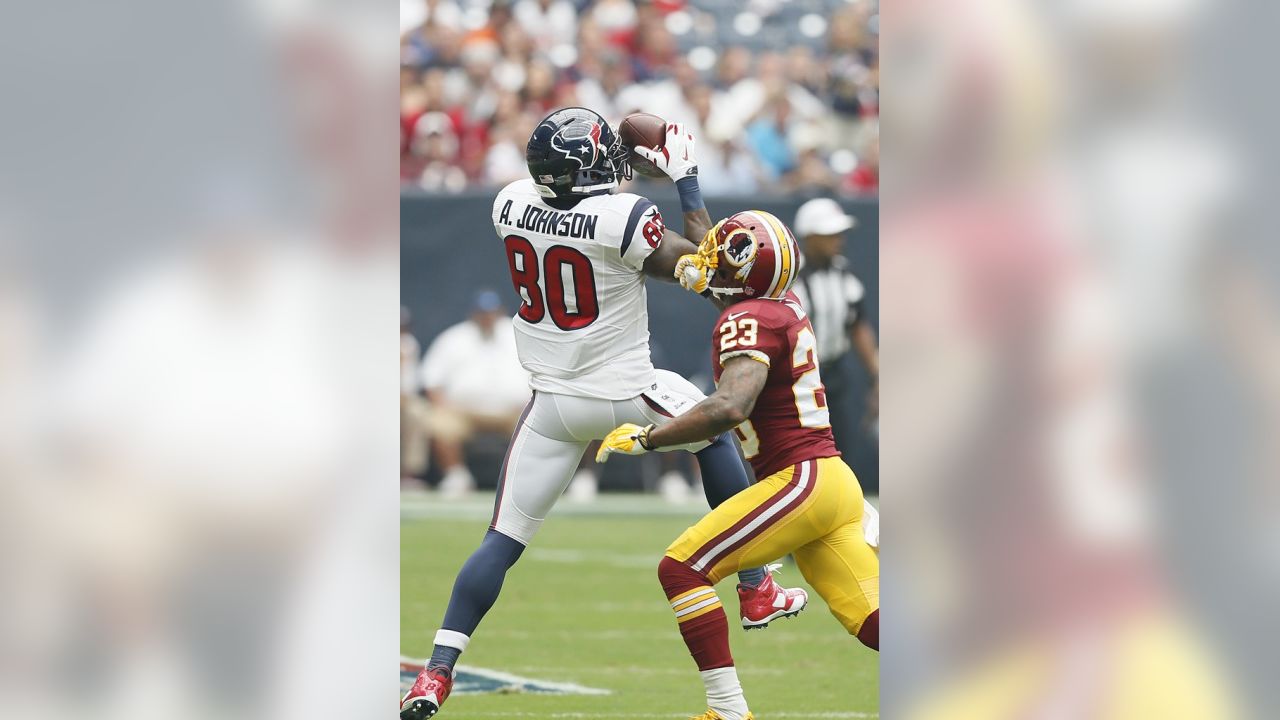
[588,189]
[720,292]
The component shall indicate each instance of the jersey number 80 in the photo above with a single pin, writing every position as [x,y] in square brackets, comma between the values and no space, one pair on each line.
[522,259]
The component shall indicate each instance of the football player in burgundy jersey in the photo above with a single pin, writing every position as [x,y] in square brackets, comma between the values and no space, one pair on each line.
[807,500]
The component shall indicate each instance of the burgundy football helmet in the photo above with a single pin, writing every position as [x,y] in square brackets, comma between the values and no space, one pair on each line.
[756,256]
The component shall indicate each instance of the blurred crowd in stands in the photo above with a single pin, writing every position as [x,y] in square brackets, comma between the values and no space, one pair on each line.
[783,95]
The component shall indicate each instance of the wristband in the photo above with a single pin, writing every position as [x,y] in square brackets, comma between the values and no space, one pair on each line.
[690,194]
[643,438]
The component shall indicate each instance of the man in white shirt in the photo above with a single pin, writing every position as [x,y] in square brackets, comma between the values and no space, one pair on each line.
[473,379]
[413,407]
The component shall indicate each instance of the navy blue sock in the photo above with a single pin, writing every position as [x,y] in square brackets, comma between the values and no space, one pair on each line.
[444,658]
[723,476]
[752,577]
[475,590]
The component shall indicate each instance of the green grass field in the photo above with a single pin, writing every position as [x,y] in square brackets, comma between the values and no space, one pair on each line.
[584,606]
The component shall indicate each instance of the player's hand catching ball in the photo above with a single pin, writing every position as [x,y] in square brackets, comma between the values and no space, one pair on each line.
[626,439]
[675,158]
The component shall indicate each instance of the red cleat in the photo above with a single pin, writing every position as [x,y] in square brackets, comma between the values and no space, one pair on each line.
[768,602]
[426,696]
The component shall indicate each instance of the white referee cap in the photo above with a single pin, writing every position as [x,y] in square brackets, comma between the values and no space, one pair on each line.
[822,216]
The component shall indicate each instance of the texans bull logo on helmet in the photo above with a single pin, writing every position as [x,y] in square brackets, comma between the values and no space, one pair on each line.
[579,142]
[599,160]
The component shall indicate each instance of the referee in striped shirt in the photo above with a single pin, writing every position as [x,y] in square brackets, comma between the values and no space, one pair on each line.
[832,296]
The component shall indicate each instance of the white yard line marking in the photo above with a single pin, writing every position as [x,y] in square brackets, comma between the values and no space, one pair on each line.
[639,670]
[569,556]
[672,634]
[511,679]
[661,715]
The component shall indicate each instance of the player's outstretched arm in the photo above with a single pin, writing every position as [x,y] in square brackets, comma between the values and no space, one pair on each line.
[740,384]
[697,223]
[676,158]
[661,263]
[728,407]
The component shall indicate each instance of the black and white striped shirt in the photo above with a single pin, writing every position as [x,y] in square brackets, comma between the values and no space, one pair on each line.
[832,297]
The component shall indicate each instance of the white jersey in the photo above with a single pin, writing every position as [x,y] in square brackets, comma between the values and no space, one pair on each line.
[583,326]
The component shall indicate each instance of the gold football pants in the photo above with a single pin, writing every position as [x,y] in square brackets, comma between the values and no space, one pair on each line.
[813,510]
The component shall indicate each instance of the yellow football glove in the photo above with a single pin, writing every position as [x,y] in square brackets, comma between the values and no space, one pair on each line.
[692,273]
[627,439]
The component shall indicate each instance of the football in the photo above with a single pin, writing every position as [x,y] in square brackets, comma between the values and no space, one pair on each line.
[643,129]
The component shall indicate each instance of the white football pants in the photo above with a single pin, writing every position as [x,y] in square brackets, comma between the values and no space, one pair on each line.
[554,431]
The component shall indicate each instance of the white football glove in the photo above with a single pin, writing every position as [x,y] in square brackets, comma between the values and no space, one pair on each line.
[676,157]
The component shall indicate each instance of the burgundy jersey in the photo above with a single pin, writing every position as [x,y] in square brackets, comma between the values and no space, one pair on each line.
[790,422]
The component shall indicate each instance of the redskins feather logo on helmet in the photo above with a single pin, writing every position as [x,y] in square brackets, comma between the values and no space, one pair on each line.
[752,254]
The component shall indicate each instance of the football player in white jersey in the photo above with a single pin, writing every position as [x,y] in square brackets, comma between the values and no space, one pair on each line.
[578,255]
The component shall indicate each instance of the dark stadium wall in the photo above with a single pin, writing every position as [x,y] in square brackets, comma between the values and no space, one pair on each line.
[448,251]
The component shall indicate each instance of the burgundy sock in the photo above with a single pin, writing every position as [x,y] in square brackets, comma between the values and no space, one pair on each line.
[703,624]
